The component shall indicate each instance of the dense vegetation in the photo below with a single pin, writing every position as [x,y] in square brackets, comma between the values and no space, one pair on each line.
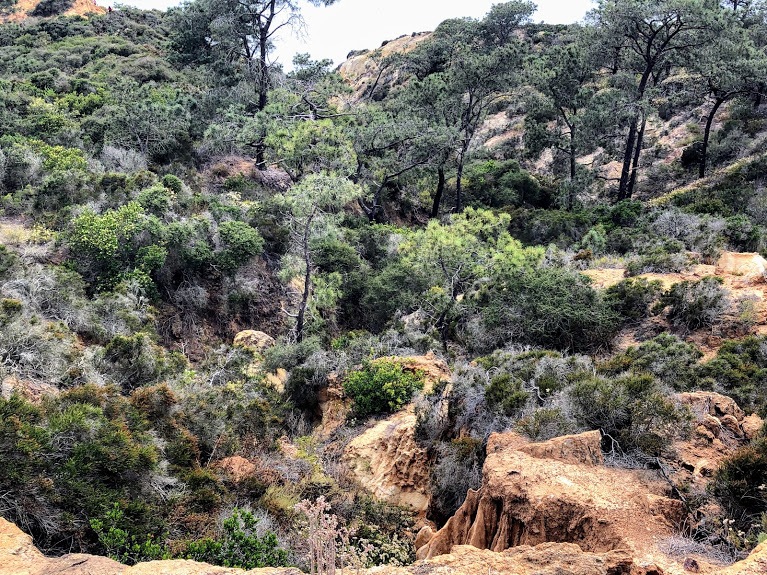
[163,187]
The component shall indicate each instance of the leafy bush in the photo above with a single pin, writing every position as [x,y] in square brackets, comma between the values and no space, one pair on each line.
[506,394]
[239,243]
[547,307]
[173,183]
[739,370]
[112,247]
[545,423]
[133,361]
[594,240]
[497,184]
[668,257]
[121,545]
[239,545]
[740,484]
[632,298]
[156,199]
[52,7]
[693,305]
[381,387]
[632,410]
[668,358]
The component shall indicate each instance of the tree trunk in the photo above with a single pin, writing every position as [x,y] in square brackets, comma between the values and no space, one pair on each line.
[301,317]
[623,186]
[571,191]
[440,191]
[263,91]
[459,188]
[706,136]
[635,161]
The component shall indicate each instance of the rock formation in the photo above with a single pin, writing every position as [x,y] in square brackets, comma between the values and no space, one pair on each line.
[719,427]
[525,500]
[18,556]
[388,462]
[256,341]
[750,266]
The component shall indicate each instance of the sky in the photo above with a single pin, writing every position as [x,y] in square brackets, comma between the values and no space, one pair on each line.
[333,31]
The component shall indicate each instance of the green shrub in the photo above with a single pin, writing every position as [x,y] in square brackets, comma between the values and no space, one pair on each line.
[498,184]
[693,305]
[632,298]
[543,227]
[632,410]
[288,356]
[240,243]
[52,7]
[668,358]
[131,361]
[173,183]
[668,257]
[381,387]
[740,484]
[156,199]
[112,247]
[545,423]
[239,545]
[547,307]
[505,394]
[595,240]
[739,370]
[120,545]
[8,259]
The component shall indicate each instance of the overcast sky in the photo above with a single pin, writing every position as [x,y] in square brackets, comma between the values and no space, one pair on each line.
[356,24]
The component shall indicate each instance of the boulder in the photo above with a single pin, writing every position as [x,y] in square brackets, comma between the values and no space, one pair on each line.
[387,461]
[751,266]
[715,404]
[255,341]
[423,536]
[751,426]
[754,564]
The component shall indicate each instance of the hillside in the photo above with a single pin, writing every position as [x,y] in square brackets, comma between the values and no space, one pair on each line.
[491,298]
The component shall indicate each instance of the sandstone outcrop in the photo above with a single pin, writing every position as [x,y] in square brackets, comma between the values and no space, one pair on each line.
[19,557]
[24,9]
[750,266]
[754,564]
[387,461]
[584,448]
[334,407]
[256,341]
[525,500]
[719,427]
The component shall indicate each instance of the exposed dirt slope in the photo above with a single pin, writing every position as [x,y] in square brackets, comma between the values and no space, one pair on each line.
[365,70]
[24,9]
[743,276]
